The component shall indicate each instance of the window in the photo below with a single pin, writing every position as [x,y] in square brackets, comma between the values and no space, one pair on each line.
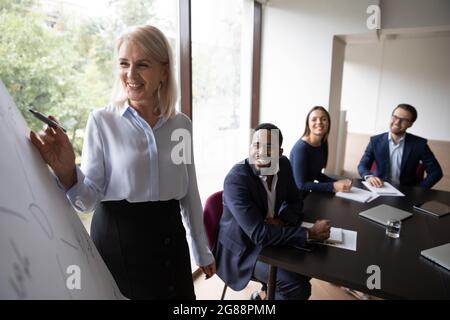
[57,55]
[221,84]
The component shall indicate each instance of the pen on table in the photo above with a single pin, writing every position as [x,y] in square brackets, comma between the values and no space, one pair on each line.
[46,120]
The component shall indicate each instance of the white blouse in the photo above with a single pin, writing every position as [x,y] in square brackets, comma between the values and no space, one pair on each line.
[124,158]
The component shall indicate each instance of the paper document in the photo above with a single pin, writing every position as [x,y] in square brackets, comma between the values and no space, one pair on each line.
[386,190]
[348,240]
[358,194]
[339,238]
[335,235]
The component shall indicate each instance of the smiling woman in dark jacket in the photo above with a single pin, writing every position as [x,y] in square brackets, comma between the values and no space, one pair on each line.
[310,154]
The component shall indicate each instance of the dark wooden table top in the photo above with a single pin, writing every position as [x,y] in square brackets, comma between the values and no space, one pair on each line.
[404,273]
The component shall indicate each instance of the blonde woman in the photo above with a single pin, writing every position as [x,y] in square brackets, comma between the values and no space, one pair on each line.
[129,178]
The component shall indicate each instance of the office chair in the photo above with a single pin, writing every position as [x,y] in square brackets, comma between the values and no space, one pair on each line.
[211,218]
[420,170]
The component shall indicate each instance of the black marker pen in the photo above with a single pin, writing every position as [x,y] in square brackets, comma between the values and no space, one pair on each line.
[46,120]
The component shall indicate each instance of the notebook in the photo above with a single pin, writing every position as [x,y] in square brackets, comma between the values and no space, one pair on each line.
[336,234]
[439,255]
[434,207]
[358,194]
[386,190]
[383,213]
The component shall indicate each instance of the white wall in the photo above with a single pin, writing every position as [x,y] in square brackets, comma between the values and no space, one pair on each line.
[297,40]
[362,71]
[378,76]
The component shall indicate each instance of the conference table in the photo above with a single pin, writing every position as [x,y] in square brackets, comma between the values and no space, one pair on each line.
[404,273]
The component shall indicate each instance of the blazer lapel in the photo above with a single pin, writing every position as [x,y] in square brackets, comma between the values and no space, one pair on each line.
[406,151]
[278,194]
[385,157]
[261,194]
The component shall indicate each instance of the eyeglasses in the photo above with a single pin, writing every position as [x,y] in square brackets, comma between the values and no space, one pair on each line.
[401,120]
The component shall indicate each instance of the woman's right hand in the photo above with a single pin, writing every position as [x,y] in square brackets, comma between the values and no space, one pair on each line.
[342,185]
[209,270]
[57,151]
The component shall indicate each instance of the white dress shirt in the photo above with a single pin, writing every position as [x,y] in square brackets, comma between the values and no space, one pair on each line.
[124,158]
[271,194]
[395,157]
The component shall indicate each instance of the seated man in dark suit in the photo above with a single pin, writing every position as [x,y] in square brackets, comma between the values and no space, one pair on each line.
[397,154]
[262,207]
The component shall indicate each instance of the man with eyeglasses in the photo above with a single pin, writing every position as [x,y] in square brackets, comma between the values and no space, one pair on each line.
[262,207]
[398,155]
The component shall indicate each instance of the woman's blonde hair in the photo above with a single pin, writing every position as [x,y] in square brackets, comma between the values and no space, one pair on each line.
[155,45]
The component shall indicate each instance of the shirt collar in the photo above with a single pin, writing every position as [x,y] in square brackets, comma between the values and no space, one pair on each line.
[126,107]
[399,141]
[122,109]
[274,182]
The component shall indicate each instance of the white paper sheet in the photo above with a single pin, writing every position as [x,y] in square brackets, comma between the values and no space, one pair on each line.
[336,236]
[358,194]
[386,190]
[349,238]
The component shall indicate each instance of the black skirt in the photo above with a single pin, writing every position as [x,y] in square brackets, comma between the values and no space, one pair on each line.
[144,246]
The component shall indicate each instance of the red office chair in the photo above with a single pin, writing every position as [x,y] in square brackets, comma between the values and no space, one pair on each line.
[420,170]
[211,218]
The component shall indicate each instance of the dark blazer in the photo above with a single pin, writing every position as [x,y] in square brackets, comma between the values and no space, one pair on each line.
[415,150]
[242,231]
